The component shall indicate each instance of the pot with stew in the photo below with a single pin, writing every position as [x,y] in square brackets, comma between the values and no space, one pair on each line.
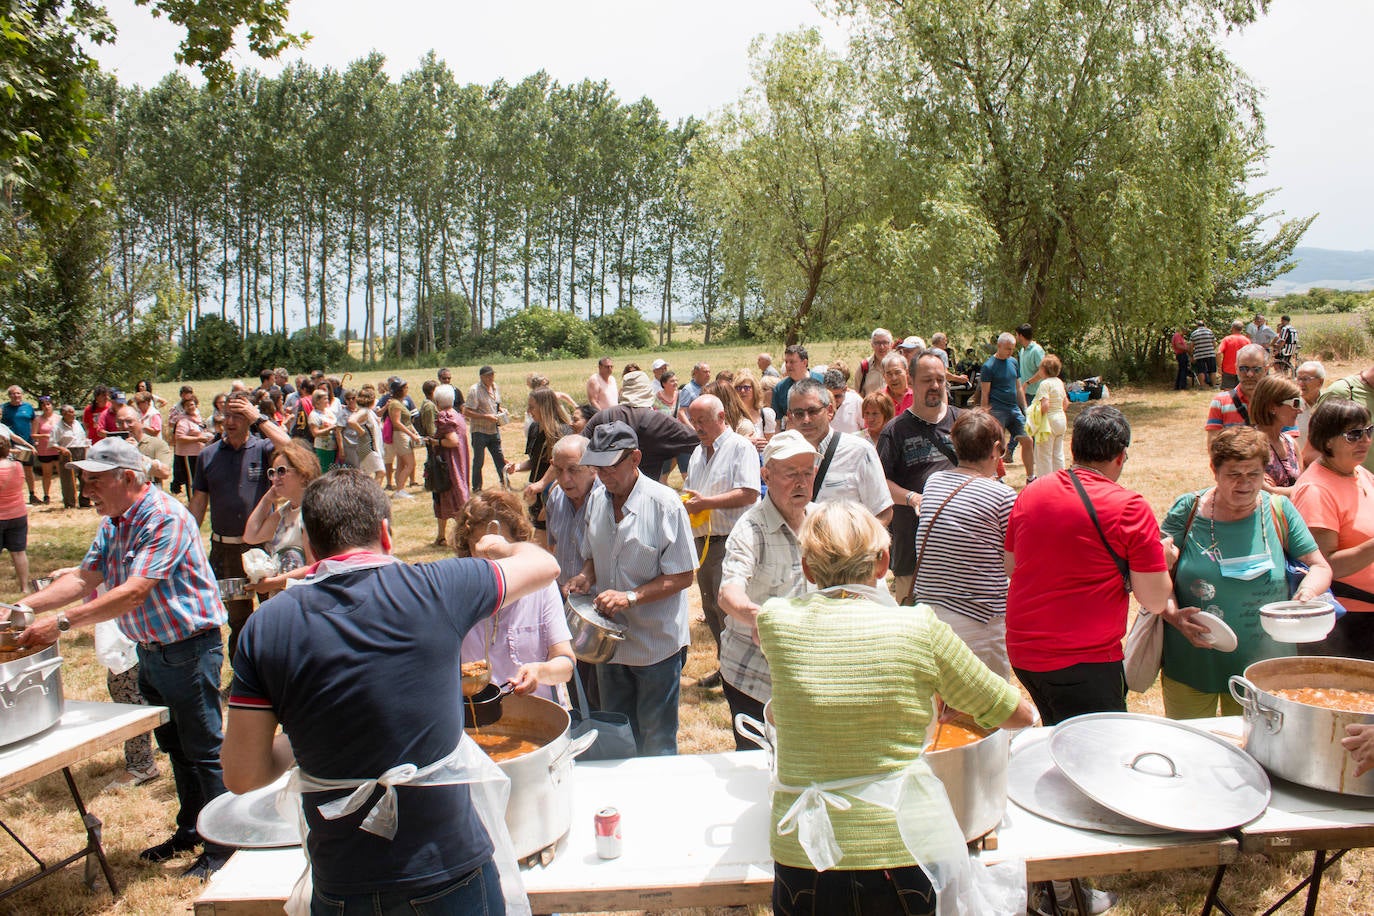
[971,762]
[1296,711]
[531,745]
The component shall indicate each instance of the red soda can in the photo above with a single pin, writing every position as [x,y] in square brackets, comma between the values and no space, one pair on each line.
[608,833]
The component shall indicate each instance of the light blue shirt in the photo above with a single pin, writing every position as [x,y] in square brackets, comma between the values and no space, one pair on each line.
[567,527]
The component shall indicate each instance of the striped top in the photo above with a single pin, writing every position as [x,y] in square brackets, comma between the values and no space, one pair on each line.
[962,567]
[653,538]
[1204,343]
[156,538]
[861,707]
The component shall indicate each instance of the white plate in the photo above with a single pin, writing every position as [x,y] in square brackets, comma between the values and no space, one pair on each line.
[1222,637]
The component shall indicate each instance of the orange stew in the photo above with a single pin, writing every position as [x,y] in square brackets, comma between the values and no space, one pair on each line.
[1330,698]
[504,747]
[947,736]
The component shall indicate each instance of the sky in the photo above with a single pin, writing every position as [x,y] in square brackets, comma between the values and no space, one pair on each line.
[1308,56]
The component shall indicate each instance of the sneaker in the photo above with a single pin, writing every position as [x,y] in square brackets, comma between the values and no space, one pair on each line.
[401,494]
[181,841]
[208,862]
[33,500]
[1099,901]
[134,777]
[710,681]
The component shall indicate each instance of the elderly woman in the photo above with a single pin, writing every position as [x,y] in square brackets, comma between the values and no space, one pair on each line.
[665,399]
[960,571]
[871,693]
[877,411]
[527,642]
[1274,407]
[275,522]
[451,441]
[1051,396]
[1335,494]
[1232,540]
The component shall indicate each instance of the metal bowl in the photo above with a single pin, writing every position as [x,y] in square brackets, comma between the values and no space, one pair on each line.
[234,589]
[21,454]
[594,638]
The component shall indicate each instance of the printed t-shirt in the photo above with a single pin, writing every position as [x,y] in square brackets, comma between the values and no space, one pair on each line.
[1344,505]
[1067,604]
[362,671]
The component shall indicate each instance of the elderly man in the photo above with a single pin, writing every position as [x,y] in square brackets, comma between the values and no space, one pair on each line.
[484,415]
[231,477]
[701,377]
[1202,346]
[1005,398]
[638,561]
[1262,333]
[762,561]
[565,512]
[1232,406]
[913,446]
[69,436]
[722,482]
[896,372]
[797,363]
[161,591]
[354,666]
[1228,350]
[871,369]
[18,415]
[1310,376]
[158,452]
[765,364]
[602,391]
[1360,389]
[847,467]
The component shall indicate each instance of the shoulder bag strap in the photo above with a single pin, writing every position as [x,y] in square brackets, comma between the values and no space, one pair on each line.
[926,537]
[1240,405]
[825,464]
[1121,565]
[1183,538]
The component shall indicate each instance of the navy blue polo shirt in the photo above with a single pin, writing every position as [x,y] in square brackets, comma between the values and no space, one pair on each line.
[362,671]
[235,479]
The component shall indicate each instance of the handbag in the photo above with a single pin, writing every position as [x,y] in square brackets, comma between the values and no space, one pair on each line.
[1144,653]
[909,599]
[437,476]
[1296,570]
[615,738]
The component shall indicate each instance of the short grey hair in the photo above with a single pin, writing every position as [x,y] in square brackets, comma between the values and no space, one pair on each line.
[445,396]
[1253,350]
[1315,368]
[881,334]
[895,359]
[834,379]
[807,386]
[573,443]
[1006,337]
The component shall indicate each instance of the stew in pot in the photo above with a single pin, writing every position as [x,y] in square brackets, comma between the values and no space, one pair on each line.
[504,747]
[1330,698]
[947,735]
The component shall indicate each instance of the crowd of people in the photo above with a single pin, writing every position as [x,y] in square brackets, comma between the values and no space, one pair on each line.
[801,490]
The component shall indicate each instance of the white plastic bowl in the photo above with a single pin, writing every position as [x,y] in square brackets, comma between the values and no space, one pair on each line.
[1297,621]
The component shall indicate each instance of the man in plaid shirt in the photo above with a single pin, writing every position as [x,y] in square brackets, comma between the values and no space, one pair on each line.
[149,555]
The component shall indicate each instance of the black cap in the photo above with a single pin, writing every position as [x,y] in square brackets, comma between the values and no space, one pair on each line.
[609,443]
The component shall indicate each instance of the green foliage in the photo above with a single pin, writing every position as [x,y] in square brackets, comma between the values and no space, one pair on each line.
[1322,301]
[1336,344]
[216,349]
[623,329]
[213,349]
[537,333]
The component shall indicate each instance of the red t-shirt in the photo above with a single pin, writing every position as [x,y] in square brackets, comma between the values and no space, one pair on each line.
[1228,348]
[1066,605]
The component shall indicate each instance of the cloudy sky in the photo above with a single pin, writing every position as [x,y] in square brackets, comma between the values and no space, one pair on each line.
[1308,56]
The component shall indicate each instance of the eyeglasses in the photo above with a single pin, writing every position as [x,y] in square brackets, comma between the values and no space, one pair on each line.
[1308,378]
[744,387]
[805,413]
[1295,403]
[1361,432]
[279,471]
[1250,370]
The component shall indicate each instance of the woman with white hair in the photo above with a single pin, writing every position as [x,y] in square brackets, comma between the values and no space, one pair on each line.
[451,442]
[871,693]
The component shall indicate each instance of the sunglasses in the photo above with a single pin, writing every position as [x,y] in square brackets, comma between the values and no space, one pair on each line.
[274,473]
[1295,403]
[744,387]
[1250,370]
[805,413]
[1360,432]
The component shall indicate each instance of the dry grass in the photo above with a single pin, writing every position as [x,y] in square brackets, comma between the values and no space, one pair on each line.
[1167,459]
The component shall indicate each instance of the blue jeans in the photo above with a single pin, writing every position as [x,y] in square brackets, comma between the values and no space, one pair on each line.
[904,891]
[481,444]
[648,694]
[478,893]
[184,677]
[1011,418]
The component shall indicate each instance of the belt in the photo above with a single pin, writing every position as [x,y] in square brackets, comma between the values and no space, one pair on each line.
[226,539]
[196,635]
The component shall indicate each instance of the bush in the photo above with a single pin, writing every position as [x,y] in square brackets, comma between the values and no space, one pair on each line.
[623,329]
[215,349]
[1335,344]
[539,333]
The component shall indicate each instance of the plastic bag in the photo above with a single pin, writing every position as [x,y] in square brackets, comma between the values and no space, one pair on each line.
[999,890]
[258,565]
[113,649]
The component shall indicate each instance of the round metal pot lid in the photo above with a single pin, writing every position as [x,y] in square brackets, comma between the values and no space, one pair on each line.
[585,607]
[248,821]
[1036,784]
[1160,772]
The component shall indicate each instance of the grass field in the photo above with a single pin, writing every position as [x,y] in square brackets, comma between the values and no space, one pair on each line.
[1167,457]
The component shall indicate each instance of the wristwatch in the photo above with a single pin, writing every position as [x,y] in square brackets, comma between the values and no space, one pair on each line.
[63,624]
[632,597]
[256,423]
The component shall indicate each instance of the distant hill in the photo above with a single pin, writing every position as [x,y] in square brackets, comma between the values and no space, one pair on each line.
[1325,267]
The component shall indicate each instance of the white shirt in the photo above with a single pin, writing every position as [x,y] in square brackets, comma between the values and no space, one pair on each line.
[652,539]
[855,473]
[734,464]
[849,415]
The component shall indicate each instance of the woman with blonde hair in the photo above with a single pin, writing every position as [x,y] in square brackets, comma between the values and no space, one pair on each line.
[871,692]
[527,642]
[756,406]
[1051,397]
[275,522]
[550,423]
[1274,408]
[736,418]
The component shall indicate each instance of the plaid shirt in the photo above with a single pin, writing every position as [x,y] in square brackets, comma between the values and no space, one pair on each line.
[763,556]
[158,539]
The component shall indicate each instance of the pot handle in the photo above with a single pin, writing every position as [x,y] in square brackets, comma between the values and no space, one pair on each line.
[576,748]
[752,729]
[1246,694]
[36,675]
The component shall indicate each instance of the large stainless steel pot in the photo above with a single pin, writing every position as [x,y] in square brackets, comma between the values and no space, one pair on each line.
[1299,742]
[539,811]
[975,779]
[30,695]
[594,637]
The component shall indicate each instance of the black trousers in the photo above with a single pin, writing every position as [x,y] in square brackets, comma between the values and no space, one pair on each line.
[741,702]
[1076,690]
[902,891]
[1351,637]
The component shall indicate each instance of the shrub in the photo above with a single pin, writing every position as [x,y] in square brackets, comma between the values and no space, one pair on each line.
[623,329]
[539,333]
[213,349]
[1340,344]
